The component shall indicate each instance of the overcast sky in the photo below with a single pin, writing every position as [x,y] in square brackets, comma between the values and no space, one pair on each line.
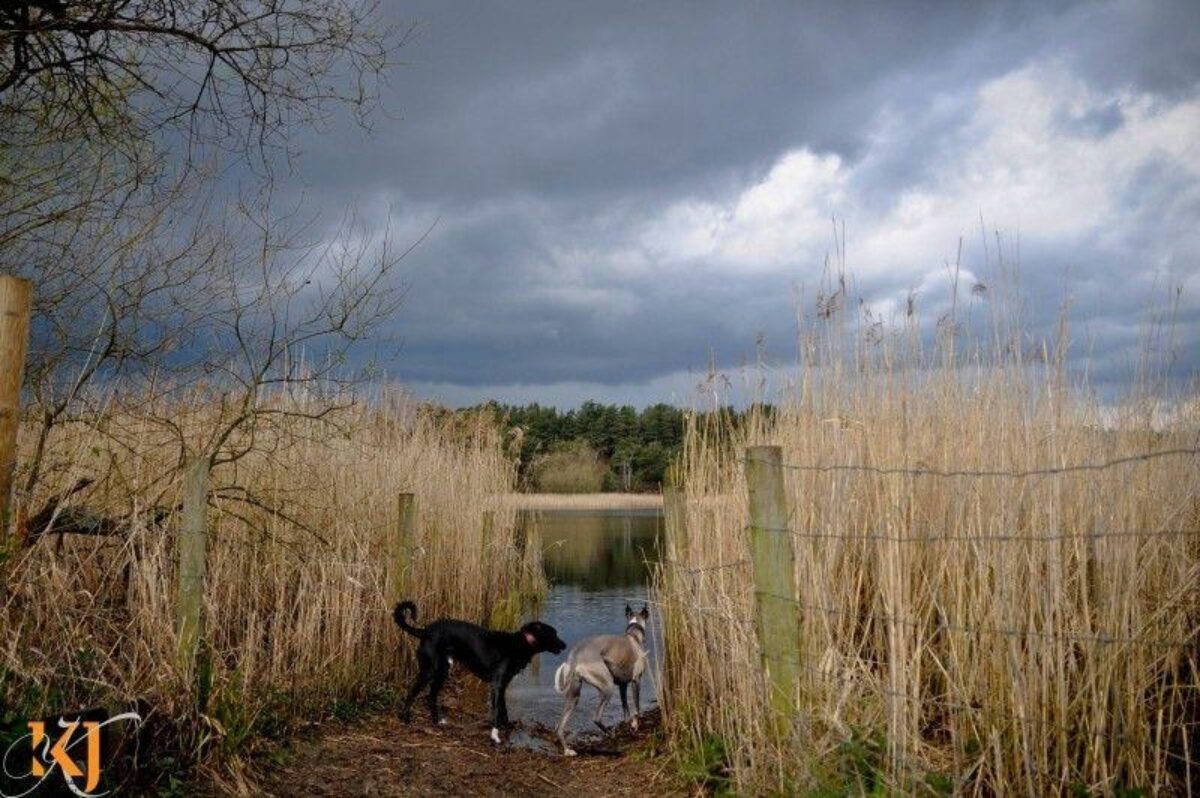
[626,192]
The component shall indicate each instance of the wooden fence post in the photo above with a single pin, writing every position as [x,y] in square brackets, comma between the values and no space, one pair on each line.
[776,616]
[406,524]
[16,301]
[193,540]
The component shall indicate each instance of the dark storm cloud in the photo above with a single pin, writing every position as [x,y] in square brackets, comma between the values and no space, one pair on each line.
[579,158]
[560,98]
[518,318]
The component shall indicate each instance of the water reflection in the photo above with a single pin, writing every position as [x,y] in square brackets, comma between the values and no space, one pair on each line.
[600,550]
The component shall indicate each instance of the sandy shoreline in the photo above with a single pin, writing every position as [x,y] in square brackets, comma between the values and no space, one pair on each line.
[587,501]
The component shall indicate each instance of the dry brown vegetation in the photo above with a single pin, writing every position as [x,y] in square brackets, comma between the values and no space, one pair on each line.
[1020,630]
[569,468]
[300,570]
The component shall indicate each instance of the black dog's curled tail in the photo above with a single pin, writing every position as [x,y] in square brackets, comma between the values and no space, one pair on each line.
[407,608]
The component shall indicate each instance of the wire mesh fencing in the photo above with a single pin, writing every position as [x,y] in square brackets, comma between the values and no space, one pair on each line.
[1043,651]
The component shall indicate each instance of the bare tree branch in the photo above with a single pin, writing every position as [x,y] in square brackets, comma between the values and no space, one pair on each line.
[237,73]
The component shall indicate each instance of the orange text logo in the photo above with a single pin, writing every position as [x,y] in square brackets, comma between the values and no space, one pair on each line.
[72,752]
[57,755]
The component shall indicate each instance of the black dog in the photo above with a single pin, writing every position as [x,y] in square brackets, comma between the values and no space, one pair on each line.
[495,657]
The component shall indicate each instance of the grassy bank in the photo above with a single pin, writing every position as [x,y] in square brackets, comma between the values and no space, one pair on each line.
[972,616]
[300,574]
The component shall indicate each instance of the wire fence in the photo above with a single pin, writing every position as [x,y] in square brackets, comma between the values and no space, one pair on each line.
[942,537]
[921,471]
[939,623]
[1156,637]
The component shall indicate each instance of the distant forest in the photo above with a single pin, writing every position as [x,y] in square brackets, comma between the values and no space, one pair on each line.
[600,448]
[592,448]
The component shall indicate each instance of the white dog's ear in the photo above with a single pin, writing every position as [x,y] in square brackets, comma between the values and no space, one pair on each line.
[645,613]
[628,611]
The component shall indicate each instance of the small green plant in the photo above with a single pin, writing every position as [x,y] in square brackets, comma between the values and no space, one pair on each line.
[238,717]
[939,783]
[175,786]
[706,765]
[862,759]
[345,710]
[9,544]
[280,757]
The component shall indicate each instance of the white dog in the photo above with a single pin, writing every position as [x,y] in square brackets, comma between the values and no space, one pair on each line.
[603,661]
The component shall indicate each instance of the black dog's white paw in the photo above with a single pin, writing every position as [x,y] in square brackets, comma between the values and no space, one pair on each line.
[495,735]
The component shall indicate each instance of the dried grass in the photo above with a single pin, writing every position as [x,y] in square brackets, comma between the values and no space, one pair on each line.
[975,634]
[297,614]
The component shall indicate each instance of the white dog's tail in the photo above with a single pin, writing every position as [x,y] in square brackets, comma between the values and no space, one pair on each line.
[562,676]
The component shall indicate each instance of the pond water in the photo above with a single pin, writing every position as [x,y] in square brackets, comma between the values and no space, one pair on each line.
[596,561]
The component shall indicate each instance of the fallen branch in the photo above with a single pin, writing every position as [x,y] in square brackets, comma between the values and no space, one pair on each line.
[56,519]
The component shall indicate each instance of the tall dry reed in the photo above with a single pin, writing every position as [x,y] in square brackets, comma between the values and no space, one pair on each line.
[970,633]
[296,600]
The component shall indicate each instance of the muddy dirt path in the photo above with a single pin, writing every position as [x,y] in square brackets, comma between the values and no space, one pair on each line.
[596,561]
[379,755]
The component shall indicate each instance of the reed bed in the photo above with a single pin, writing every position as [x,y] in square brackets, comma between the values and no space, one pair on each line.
[300,572]
[970,619]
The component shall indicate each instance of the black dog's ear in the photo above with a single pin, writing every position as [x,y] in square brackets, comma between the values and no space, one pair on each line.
[645,613]
[628,611]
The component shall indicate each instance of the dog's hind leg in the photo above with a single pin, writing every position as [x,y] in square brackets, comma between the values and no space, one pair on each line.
[570,701]
[599,677]
[605,696]
[440,670]
[424,674]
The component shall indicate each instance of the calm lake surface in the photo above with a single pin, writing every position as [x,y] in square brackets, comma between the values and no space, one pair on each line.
[597,561]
